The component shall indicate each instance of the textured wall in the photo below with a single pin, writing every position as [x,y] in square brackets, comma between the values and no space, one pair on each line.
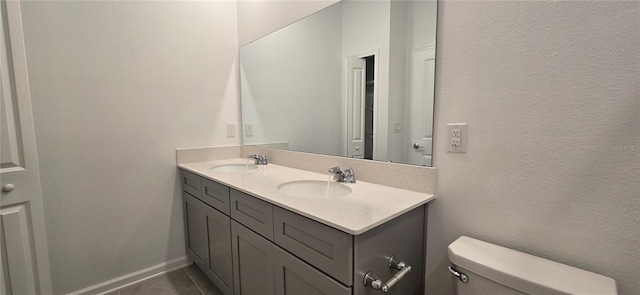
[116,88]
[551,94]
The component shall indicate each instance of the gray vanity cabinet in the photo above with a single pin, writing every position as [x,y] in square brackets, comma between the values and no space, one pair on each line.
[208,234]
[248,246]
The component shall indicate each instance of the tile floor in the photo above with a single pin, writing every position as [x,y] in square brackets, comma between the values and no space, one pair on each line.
[185,281]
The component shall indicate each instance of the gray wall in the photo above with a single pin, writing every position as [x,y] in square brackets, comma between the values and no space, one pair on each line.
[550,91]
[116,88]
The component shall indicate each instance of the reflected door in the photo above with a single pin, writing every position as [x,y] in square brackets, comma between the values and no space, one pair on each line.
[421,106]
[356,101]
[23,243]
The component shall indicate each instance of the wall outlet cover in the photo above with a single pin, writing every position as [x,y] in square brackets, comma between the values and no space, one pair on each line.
[458,135]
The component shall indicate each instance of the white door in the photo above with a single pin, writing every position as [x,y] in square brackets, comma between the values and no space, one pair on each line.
[421,106]
[23,243]
[356,83]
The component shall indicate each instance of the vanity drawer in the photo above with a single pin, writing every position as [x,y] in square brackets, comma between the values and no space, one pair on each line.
[325,247]
[253,213]
[191,183]
[215,195]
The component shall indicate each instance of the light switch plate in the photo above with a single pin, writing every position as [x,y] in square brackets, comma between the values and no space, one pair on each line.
[457,137]
[231,130]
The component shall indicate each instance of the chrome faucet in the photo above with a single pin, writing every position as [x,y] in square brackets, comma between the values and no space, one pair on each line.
[343,176]
[260,159]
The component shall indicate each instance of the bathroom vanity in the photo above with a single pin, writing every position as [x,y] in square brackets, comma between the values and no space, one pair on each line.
[251,238]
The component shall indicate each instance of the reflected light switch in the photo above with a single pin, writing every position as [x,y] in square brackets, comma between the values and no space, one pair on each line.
[397,127]
[248,129]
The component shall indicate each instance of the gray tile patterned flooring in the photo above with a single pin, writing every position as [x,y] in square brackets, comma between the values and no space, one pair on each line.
[185,281]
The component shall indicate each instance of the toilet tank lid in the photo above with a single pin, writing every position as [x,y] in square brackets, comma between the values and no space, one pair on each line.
[525,272]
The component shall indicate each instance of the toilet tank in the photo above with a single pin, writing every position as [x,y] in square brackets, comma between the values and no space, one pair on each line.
[492,269]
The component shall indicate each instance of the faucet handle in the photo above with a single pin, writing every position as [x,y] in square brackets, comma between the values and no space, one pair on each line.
[336,174]
[334,170]
[260,159]
[343,176]
[349,175]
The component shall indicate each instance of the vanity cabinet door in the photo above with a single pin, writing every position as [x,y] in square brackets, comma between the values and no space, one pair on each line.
[253,262]
[208,241]
[219,263]
[294,277]
[195,228]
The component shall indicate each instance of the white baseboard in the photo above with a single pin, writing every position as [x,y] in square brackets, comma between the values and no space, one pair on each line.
[134,277]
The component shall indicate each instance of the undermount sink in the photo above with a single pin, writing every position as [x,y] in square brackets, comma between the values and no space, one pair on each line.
[314,189]
[234,167]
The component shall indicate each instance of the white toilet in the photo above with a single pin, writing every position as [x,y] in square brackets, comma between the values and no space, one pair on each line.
[484,268]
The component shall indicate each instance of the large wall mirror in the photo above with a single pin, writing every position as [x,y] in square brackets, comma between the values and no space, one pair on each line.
[355,79]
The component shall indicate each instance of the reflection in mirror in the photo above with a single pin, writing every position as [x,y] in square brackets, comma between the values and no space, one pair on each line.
[355,79]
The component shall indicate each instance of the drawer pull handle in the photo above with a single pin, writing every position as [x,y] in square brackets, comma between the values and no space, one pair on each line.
[375,283]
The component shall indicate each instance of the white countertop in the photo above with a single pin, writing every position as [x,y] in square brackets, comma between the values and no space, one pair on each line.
[367,206]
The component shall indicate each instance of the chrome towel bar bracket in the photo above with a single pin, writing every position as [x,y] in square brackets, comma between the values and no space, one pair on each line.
[375,283]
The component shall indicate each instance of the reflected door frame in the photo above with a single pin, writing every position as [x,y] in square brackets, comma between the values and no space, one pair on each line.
[379,128]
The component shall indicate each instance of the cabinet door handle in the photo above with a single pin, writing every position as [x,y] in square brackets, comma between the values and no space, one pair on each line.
[375,283]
